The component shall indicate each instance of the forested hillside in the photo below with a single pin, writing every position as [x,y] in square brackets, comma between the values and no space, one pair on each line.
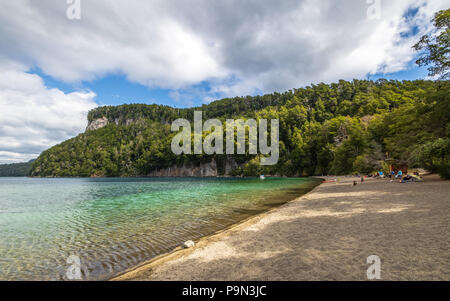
[339,128]
[16,169]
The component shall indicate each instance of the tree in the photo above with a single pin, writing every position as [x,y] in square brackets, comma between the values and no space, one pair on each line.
[435,156]
[435,46]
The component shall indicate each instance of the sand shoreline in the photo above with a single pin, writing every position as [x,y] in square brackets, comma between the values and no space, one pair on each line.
[325,234]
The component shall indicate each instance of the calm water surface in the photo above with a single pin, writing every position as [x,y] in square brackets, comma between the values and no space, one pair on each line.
[115,224]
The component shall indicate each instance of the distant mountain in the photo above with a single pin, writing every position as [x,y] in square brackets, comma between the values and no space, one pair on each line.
[16,169]
[339,128]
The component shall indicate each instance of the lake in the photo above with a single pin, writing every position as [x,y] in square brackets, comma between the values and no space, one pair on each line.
[113,224]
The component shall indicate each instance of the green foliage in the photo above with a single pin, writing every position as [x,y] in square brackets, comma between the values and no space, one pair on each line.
[115,150]
[418,131]
[435,156]
[15,169]
[435,47]
[371,161]
[340,128]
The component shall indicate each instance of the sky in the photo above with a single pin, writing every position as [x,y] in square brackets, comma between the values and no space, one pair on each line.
[57,62]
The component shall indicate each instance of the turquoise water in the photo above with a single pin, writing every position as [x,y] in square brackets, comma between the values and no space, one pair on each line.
[115,224]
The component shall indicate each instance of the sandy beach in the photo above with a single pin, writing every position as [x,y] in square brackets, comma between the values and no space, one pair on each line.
[326,234]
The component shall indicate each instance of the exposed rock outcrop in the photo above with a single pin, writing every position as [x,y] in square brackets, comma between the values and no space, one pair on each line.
[202,170]
[230,165]
[102,122]
[97,124]
[210,169]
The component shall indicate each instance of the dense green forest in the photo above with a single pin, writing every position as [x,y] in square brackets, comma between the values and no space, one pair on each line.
[339,128]
[16,169]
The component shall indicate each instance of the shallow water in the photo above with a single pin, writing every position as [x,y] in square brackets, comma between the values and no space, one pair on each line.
[114,224]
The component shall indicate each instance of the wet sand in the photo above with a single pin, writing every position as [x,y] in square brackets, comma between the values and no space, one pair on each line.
[326,234]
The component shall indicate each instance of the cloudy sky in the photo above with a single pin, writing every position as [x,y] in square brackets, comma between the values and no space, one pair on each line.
[54,68]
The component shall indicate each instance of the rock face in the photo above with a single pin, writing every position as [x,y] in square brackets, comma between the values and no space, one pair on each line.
[102,122]
[230,165]
[203,170]
[97,124]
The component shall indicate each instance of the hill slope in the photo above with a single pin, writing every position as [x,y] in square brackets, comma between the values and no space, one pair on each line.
[339,128]
[16,169]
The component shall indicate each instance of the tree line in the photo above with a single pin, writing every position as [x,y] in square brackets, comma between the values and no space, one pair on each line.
[339,128]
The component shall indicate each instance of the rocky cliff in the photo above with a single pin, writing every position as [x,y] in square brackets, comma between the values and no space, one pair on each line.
[102,122]
[97,124]
[200,170]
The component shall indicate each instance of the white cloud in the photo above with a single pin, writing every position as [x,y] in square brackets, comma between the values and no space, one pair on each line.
[176,44]
[132,37]
[34,118]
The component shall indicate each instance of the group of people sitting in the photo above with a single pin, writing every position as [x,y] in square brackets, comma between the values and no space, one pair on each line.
[411,178]
[400,176]
[379,174]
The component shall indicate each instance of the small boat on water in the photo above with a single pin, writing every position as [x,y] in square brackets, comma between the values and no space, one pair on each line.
[262,177]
